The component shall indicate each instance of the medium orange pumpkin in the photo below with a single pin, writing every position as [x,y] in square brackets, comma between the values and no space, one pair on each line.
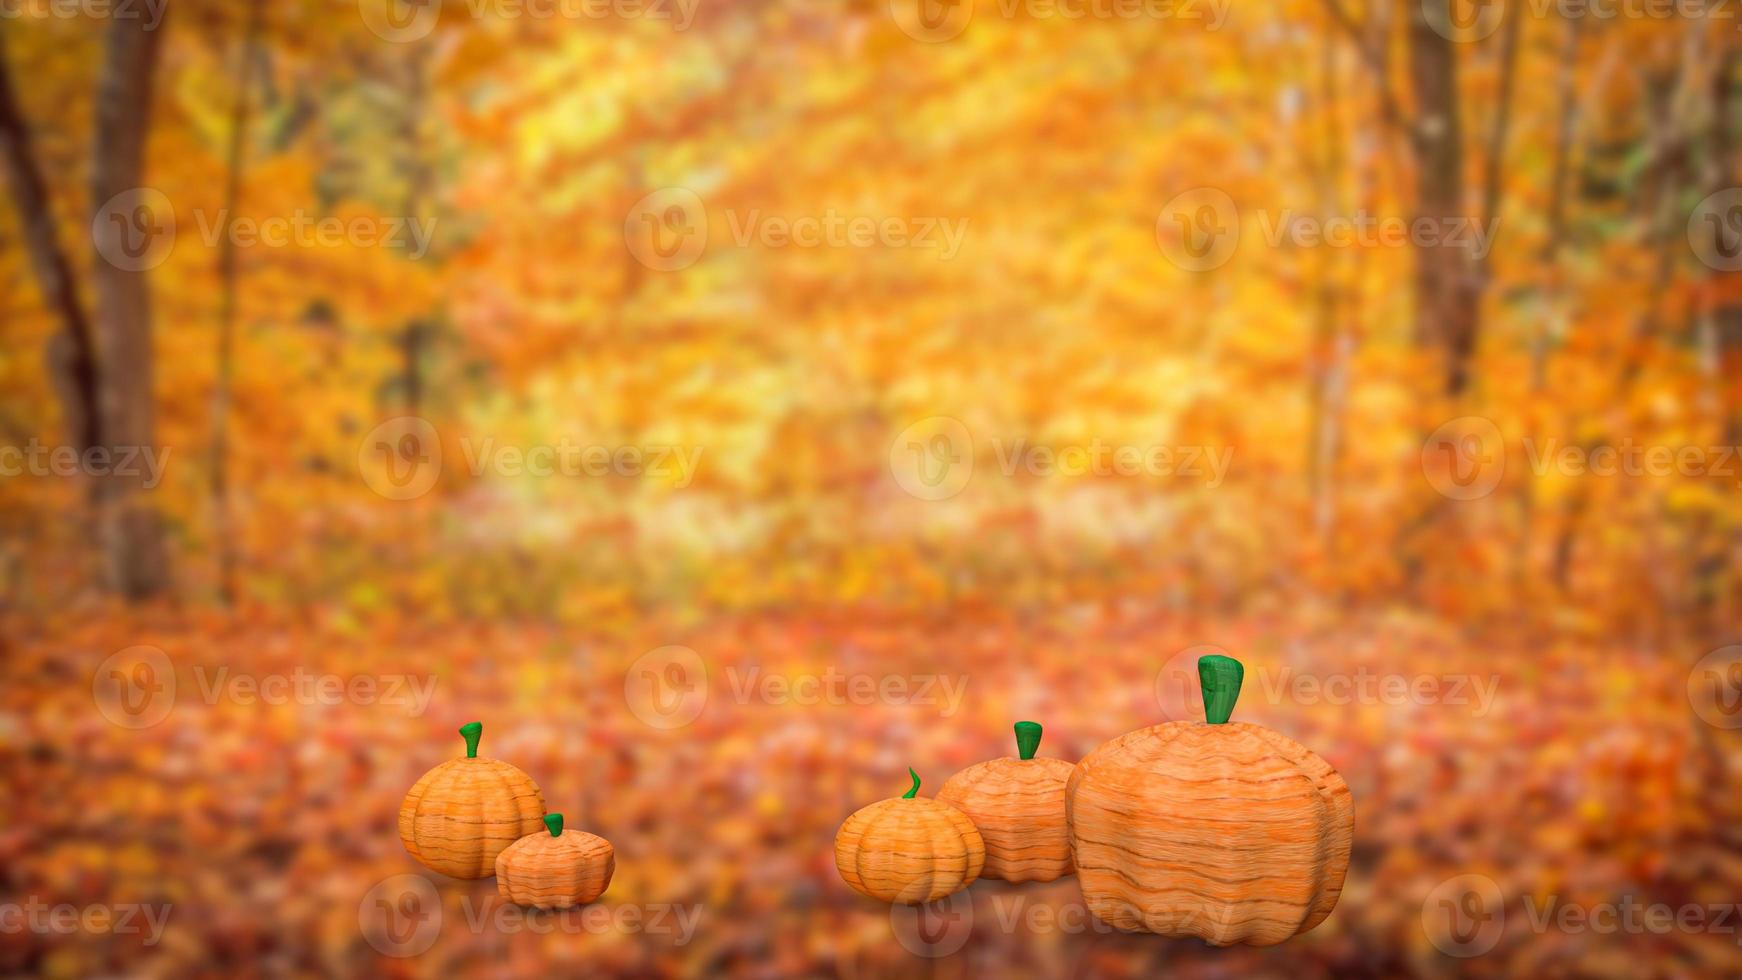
[1018,805]
[909,850]
[1230,832]
[462,813]
[555,870]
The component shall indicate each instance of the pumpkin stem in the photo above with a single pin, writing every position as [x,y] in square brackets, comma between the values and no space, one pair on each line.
[472,731]
[555,822]
[1027,738]
[1220,677]
[910,794]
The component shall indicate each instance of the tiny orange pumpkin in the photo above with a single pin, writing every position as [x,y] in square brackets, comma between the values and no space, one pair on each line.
[555,870]
[1018,805]
[462,813]
[909,850]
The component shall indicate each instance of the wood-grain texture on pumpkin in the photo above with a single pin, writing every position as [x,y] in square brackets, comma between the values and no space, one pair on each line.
[557,872]
[464,812]
[909,851]
[1233,833]
[1018,805]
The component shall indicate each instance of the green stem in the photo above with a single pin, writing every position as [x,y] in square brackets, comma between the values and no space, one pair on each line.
[1027,738]
[910,794]
[555,822]
[1220,677]
[472,731]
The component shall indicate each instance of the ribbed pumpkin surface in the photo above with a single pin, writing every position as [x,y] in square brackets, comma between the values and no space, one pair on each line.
[1232,832]
[462,813]
[1018,805]
[555,872]
[909,850]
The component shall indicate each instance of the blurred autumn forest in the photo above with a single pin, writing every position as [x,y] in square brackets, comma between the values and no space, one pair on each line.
[495,164]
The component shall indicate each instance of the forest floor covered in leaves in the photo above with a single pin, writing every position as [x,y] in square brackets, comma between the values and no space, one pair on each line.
[261,814]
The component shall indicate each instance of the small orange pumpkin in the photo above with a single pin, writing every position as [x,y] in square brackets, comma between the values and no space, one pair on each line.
[1018,805]
[910,850]
[1226,831]
[461,814]
[555,870]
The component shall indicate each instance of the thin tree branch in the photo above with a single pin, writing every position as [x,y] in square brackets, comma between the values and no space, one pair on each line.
[1492,188]
[1389,107]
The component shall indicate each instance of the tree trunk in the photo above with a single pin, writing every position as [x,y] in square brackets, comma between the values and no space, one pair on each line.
[132,528]
[223,536]
[72,354]
[1446,286]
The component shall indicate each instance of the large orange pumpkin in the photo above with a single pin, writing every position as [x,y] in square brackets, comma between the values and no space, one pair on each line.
[462,813]
[910,850]
[1224,830]
[1018,805]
